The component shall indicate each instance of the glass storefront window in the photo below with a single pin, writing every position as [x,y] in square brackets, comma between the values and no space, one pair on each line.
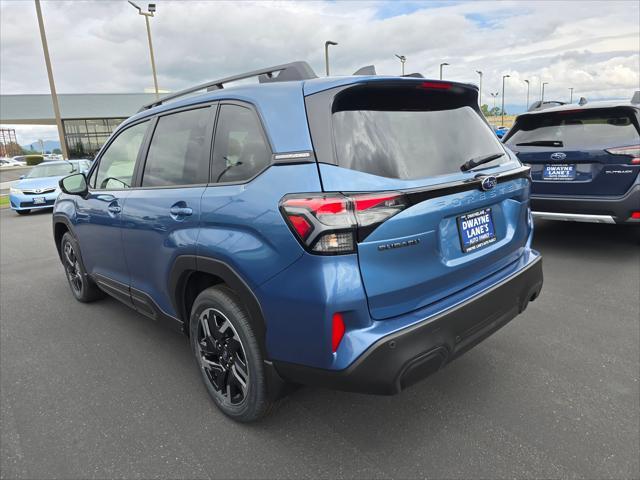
[85,137]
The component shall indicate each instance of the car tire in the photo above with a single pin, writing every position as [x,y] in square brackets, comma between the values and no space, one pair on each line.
[23,212]
[82,287]
[229,355]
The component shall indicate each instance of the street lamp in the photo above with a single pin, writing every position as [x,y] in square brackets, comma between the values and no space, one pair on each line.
[146,15]
[494,96]
[571,96]
[527,82]
[502,120]
[442,65]
[326,54]
[542,96]
[402,59]
[479,72]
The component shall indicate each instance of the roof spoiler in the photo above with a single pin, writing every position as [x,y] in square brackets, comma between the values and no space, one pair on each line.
[636,97]
[414,75]
[280,73]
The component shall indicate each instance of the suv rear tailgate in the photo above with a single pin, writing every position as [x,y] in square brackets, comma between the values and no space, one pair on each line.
[414,145]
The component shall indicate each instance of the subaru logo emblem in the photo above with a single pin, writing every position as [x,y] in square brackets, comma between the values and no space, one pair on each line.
[488,183]
[558,156]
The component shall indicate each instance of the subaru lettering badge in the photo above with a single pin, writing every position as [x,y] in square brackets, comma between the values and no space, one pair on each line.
[558,156]
[488,183]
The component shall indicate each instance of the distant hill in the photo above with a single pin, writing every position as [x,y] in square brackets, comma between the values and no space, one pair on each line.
[49,145]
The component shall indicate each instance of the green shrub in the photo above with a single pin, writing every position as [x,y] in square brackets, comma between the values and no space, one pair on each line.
[33,159]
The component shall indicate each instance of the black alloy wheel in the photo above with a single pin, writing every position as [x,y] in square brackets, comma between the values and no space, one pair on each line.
[222,357]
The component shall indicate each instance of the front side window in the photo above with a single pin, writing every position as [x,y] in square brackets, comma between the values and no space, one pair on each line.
[179,154]
[118,162]
[240,150]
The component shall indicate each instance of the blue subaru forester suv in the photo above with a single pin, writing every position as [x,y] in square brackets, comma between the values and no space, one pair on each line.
[584,158]
[351,232]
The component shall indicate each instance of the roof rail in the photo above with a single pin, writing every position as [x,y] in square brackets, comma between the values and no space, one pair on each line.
[285,73]
[636,97]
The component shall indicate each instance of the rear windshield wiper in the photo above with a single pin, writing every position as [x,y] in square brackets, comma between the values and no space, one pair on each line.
[474,162]
[541,143]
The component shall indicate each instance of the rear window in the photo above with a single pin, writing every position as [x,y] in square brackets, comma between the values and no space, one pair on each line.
[587,129]
[409,133]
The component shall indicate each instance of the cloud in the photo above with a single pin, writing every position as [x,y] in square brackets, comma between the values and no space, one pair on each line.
[102,46]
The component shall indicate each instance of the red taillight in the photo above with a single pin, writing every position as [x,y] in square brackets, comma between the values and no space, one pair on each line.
[328,224]
[435,85]
[300,225]
[363,202]
[632,151]
[337,331]
[635,215]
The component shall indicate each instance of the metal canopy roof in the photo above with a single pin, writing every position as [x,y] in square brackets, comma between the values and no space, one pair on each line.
[38,109]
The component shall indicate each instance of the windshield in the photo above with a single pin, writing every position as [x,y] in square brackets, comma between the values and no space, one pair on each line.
[52,170]
[585,130]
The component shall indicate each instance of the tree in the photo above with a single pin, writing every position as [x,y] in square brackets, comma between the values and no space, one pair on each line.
[56,151]
[485,109]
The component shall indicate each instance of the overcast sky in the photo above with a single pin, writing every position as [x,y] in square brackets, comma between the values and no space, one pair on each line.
[101,46]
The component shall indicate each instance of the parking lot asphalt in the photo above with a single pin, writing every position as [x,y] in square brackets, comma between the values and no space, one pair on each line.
[99,391]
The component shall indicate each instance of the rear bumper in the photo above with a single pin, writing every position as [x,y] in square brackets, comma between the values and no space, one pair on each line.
[398,360]
[588,209]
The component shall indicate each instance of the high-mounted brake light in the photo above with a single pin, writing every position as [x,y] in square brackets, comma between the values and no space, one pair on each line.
[435,85]
[632,151]
[329,224]
[635,215]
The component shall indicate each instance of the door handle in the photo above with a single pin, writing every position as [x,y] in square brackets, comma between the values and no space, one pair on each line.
[180,211]
[114,208]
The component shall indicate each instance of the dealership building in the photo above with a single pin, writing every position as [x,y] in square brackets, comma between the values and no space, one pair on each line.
[87,118]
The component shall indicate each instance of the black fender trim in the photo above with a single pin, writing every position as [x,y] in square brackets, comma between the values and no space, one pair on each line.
[185,265]
[58,219]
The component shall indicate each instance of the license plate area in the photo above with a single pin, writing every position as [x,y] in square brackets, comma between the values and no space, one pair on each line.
[39,200]
[476,230]
[559,172]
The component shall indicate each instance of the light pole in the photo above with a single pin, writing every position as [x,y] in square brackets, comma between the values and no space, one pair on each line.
[402,59]
[52,85]
[542,96]
[479,72]
[527,105]
[502,120]
[326,54]
[146,15]
[571,95]
[442,65]
[494,96]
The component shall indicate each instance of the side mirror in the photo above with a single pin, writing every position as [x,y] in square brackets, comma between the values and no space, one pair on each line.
[22,177]
[75,184]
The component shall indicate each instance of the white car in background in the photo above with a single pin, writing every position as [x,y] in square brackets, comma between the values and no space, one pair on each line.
[17,161]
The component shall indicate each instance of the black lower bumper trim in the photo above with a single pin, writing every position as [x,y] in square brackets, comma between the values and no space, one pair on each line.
[401,359]
[619,208]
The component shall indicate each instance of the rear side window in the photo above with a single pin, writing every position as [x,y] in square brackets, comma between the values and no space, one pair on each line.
[119,160]
[240,149]
[409,133]
[586,129]
[179,151]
